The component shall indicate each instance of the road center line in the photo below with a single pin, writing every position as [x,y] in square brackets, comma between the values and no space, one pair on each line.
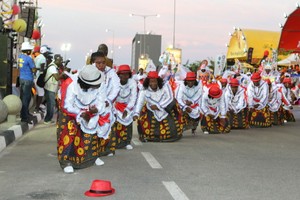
[175,191]
[151,160]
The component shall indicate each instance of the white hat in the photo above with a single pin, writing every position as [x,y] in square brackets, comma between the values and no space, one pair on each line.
[26,46]
[45,49]
[91,75]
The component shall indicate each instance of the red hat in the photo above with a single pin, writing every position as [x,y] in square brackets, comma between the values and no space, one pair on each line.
[266,53]
[122,69]
[223,80]
[100,188]
[190,76]
[153,74]
[215,91]
[36,49]
[256,77]
[287,80]
[234,82]
[268,81]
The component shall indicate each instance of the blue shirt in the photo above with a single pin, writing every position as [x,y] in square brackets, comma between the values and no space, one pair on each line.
[26,64]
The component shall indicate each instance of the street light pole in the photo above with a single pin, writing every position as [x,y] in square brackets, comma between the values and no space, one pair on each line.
[174,24]
[144,17]
[113,42]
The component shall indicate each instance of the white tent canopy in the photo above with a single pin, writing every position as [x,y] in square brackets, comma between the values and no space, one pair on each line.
[291,60]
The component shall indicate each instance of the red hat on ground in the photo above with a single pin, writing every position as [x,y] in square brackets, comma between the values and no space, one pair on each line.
[287,80]
[234,82]
[215,91]
[153,74]
[100,188]
[268,81]
[122,69]
[223,80]
[256,77]
[190,76]
[36,49]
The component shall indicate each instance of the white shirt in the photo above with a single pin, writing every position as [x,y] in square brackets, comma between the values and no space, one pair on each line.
[127,95]
[236,102]
[193,94]
[52,84]
[161,98]
[258,95]
[112,83]
[39,60]
[77,101]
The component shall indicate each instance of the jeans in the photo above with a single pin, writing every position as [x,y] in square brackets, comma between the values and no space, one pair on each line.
[25,95]
[50,104]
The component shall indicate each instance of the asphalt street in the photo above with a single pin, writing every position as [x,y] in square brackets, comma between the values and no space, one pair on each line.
[251,164]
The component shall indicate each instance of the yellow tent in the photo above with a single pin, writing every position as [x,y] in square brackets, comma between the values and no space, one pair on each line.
[243,39]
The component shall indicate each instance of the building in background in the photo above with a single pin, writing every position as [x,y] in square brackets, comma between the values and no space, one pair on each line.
[145,47]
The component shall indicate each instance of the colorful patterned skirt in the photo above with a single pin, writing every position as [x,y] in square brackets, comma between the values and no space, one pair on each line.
[168,130]
[122,133]
[189,122]
[74,147]
[277,118]
[239,120]
[108,145]
[288,116]
[213,126]
[260,118]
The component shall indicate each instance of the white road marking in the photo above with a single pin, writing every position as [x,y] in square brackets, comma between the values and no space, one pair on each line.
[175,191]
[151,160]
[136,142]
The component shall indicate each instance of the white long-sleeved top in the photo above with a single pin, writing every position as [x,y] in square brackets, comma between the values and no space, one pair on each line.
[258,95]
[287,93]
[214,107]
[161,98]
[277,97]
[236,102]
[77,101]
[192,94]
[127,95]
[112,83]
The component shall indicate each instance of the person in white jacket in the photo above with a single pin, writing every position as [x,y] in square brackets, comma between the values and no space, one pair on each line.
[82,121]
[188,95]
[277,99]
[124,108]
[258,95]
[159,116]
[213,107]
[236,100]
[286,88]
[112,83]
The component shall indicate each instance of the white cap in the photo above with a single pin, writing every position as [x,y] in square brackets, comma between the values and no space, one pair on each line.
[26,46]
[45,49]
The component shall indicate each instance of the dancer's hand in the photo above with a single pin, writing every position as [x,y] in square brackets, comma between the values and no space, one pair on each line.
[85,116]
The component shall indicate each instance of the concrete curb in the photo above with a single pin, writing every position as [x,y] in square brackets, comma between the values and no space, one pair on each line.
[16,131]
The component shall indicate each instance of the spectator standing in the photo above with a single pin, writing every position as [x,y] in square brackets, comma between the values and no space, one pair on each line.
[51,87]
[27,68]
[40,64]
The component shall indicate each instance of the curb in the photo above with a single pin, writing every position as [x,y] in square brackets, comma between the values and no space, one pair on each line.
[16,131]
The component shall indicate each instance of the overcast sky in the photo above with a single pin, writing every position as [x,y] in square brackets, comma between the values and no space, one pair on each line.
[202,27]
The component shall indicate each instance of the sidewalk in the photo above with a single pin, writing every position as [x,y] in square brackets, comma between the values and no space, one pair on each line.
[9,132]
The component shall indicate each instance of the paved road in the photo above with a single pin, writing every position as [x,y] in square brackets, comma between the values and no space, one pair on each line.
[250,164]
